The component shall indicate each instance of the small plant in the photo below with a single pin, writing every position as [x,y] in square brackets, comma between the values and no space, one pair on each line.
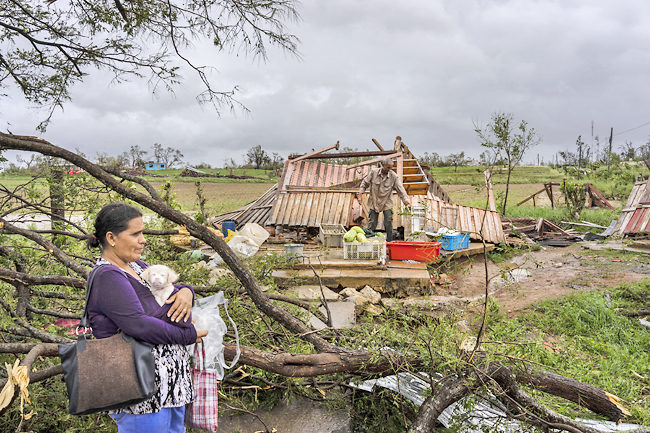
[576,195]
[202,216]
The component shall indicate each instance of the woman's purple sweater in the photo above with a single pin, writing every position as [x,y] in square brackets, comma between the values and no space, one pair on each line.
[119,301]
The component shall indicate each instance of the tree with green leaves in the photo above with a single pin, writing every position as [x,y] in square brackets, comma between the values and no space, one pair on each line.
[508,141]
[49,46]
[257,157]
[455,159]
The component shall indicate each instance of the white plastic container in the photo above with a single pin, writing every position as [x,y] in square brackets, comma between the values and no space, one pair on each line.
[417,219]
[295,249]
[255,232]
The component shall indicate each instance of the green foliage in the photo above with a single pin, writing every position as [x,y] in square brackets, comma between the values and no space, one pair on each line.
[584,336]
[502,141]
[51,48]
[576,195]
[202,216]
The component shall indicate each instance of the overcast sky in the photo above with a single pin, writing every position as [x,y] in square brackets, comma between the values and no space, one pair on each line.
[424,70]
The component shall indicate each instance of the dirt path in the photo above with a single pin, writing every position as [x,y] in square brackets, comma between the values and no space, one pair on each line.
[550,273]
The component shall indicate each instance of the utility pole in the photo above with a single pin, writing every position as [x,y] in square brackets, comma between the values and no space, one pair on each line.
[609,157]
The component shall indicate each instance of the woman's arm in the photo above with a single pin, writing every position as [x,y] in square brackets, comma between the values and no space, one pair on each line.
[183,300]
[114,296]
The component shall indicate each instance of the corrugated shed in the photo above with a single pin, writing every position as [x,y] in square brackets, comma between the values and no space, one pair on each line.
[309,209]
[634,203]
[257,211]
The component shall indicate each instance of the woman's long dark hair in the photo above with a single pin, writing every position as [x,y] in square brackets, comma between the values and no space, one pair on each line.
[115,218]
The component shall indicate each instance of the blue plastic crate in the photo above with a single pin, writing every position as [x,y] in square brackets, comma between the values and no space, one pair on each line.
[457,242]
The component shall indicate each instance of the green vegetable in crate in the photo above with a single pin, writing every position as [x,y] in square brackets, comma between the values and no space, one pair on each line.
[379,235]
[361,237]
[358,229]
[350,236]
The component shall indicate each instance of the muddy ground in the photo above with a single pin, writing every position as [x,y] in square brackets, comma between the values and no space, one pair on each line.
[547,274]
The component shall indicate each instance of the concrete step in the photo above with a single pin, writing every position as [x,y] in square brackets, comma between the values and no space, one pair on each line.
[391,281]
[343,315]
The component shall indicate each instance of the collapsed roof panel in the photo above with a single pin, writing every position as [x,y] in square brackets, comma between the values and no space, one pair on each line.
[632,216]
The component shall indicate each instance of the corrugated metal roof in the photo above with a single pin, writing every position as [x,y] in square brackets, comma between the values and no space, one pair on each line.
[309,209]
[257,211]
[311,173]
[311,193]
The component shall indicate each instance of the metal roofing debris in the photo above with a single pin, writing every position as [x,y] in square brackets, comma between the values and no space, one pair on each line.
[488,412]
[634,216]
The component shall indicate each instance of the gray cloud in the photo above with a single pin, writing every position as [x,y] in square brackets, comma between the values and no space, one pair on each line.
[418,69]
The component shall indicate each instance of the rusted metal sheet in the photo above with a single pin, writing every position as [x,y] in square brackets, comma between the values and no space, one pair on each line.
[631,220]
[312,173]
[309,209]
[481,224]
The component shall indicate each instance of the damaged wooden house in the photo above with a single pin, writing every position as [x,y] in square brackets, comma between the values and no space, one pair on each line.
[316,188]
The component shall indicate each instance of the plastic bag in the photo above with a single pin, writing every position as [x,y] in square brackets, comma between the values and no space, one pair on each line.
[243,246]
[206,317]
[255,232]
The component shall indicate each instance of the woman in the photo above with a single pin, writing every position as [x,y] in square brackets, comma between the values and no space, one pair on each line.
[121,300]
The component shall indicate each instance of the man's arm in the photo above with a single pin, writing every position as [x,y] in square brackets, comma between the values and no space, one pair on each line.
[401,192]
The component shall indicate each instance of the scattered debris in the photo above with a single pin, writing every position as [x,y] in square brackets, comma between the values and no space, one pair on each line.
[542,231]
[192,172]
[483,413]
[548,188]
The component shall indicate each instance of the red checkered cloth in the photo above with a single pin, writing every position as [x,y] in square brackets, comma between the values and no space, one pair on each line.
[203,412]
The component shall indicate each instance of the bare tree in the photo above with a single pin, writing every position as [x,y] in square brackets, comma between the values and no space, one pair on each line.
[137,155]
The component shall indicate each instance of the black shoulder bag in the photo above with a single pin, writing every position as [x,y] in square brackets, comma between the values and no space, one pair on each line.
[108,373]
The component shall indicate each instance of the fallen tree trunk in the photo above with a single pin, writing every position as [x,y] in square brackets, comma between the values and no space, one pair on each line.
[591,397]
[316,364]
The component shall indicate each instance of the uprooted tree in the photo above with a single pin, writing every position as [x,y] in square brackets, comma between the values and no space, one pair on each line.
[44,279]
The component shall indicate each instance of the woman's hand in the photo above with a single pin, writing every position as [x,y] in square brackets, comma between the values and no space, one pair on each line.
[182,305]
[200,335]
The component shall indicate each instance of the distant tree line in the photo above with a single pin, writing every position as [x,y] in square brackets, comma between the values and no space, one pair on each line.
[134,157]
[588,157]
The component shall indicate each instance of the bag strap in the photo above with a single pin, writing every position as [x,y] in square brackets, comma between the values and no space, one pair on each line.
[85,321]
[200,361]
[238,351]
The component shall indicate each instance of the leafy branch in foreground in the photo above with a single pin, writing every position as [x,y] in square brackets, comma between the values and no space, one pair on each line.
[50,47]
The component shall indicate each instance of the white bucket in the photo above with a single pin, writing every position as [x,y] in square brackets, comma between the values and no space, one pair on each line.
[255,232]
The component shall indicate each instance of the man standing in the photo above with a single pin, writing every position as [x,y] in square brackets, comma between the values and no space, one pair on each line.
[381,182]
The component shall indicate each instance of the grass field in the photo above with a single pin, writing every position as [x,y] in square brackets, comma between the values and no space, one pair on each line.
[466,186]
[221,197]
[474,175]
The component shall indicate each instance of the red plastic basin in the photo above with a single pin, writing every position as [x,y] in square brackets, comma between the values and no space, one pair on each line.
[418,251]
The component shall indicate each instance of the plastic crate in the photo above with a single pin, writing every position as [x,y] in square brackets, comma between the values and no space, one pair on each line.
[456,242]
[371,250]
[331,235]
[418,251]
